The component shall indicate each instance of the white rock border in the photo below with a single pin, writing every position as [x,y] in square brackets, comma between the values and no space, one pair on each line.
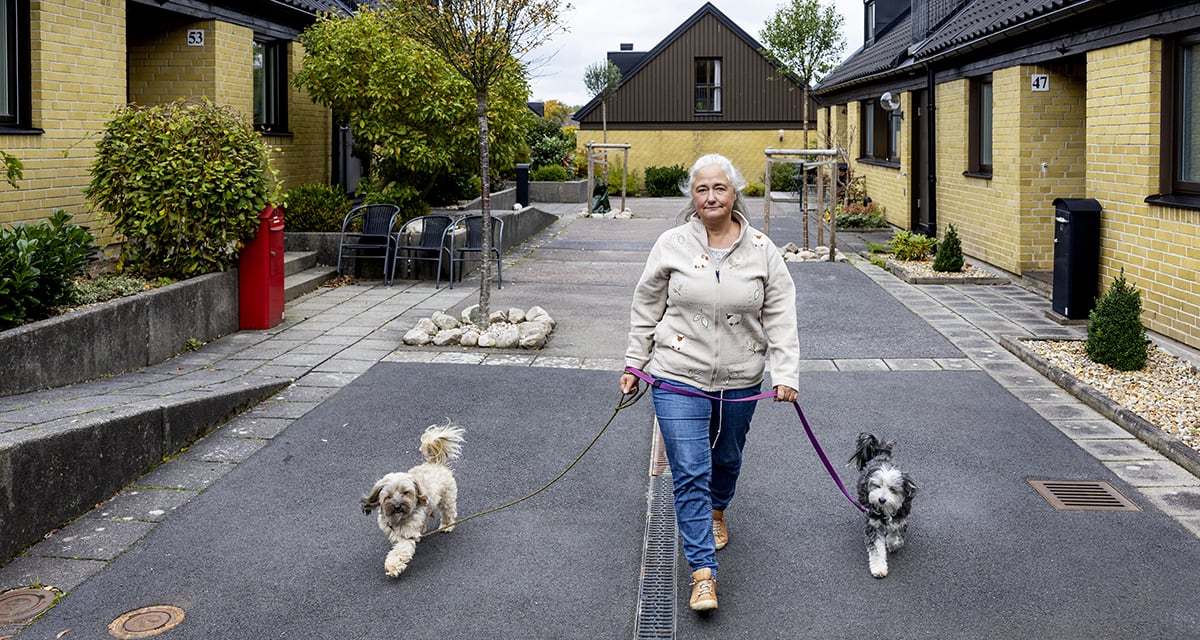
[512,329]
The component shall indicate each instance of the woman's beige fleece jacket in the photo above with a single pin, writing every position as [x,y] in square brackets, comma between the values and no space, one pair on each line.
[713,327]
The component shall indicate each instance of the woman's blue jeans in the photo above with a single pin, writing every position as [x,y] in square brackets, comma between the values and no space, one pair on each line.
[704,440]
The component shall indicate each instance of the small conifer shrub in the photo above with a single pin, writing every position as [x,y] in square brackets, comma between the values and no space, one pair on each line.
[949,253]
[1116,336]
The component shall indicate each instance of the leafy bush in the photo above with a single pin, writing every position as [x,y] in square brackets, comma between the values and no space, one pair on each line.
[614,181]
[404,196]
[753,190]
[184,183]
[949,252]
[907,246]
[861,216]
[549,173]
[1115,333]
[666,181]
[549,144]
[37,265]
[107,286]
[315,207]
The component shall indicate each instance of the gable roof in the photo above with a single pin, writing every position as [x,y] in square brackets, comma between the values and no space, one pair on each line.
[638,61]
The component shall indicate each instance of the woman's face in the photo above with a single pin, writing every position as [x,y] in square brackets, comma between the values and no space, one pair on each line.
[712,193]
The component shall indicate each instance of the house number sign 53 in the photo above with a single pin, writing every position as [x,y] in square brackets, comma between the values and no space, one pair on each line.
[195,37]
[1039,82]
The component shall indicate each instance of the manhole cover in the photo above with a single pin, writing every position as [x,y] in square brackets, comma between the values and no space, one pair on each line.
[146,622]
[23,605]
[1090,495]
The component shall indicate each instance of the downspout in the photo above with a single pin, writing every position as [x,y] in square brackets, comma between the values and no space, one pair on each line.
[931,128]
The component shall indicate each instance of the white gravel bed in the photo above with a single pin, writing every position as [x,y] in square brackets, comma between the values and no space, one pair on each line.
[1166,392]
[924,269]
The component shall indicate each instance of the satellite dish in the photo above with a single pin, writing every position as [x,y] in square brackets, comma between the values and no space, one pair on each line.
[889,101]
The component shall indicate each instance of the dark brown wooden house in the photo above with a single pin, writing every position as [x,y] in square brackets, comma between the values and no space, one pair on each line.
[707,87]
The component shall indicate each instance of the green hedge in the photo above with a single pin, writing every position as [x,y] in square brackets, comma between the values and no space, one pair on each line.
[38,264]
[666,181]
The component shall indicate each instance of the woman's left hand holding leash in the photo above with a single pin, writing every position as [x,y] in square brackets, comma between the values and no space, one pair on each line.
[784,393]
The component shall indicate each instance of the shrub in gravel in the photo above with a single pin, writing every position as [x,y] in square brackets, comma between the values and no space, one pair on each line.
[949,255]
[1116,336]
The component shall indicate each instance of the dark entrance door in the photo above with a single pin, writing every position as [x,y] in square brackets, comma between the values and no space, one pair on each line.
[923,217]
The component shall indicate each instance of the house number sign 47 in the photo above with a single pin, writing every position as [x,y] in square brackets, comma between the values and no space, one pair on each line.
[195,37]
[1039,82]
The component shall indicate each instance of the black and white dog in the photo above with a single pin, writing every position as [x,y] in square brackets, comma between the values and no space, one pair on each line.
[887,494]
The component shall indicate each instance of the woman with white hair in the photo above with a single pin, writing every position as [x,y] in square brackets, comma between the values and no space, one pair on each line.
[713,302]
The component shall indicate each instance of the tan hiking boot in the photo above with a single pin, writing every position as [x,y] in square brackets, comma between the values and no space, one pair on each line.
[704,591]
[720,532]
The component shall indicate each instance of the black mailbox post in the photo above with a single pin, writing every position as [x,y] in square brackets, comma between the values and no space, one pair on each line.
[523,184]
[1076,256]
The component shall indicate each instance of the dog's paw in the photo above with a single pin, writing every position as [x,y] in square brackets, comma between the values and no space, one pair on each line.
[394,568]
[448,528]
[879,573]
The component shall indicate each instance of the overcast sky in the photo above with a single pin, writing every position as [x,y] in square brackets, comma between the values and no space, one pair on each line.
[599,26]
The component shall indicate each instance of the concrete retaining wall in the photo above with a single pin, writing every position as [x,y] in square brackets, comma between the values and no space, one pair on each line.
[573,191]
[119,335]
[55,473]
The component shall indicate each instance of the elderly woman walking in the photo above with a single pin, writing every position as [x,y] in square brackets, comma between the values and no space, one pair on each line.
[714,305]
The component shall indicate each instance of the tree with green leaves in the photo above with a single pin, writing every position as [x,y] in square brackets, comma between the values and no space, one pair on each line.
[484,41]
[411,113]
[602,80]
[804,39]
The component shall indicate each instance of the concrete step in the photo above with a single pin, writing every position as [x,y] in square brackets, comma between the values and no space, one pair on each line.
[296,261]
[305,281]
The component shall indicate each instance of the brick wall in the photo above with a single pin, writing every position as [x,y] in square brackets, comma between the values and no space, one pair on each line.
[1158,247]
[70,103]
[72,100]
[666,148]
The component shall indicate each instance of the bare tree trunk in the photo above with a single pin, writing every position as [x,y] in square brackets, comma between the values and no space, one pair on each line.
[485,205]
[604,119]
[804,112]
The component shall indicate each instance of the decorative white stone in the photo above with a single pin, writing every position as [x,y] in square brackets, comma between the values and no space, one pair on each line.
[497,317]
[427,325]
[417,337]
[447,337]
[516,316]
[445,321]
[487,340]
[509,338]
[532,335]
[470,315]
[470,338]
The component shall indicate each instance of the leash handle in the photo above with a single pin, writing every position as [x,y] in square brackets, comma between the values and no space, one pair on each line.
[812,438]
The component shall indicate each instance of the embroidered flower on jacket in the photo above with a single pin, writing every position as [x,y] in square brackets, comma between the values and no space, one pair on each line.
[701,261]
[702,319]
[758,239]
[677,344]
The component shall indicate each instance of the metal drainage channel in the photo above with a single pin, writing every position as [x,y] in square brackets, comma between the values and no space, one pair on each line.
[1083,495]
[25,604]
[656,589]
[146,622]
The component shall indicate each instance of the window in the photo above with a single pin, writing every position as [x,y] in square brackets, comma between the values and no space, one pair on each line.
[1181,130]
[708,85]
[869,21]
[14,65]
[980,128]
[270,86]
[881,133]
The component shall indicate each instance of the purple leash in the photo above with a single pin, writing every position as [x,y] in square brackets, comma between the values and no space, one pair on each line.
[642,375]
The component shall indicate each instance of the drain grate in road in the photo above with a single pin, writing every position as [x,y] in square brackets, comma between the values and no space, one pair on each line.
[656,592]
[146,622]
[1083,495]
[25,604]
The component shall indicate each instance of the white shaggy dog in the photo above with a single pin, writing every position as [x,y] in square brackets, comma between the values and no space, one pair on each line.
[407,500]
[887,494]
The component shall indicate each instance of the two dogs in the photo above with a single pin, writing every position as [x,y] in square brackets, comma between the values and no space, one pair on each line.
[887,493]
[407,500]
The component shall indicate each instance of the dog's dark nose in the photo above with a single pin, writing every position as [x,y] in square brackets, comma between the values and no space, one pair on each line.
[882,500]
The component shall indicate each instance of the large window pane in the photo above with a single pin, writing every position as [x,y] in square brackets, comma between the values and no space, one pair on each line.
[708,84]
[1189,116]
[7,59]
[985,124]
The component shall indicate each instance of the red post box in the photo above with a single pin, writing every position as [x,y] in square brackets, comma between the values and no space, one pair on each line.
[260,274]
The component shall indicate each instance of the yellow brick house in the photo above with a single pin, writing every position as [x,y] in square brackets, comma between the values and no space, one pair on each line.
[980,113]
[69,63]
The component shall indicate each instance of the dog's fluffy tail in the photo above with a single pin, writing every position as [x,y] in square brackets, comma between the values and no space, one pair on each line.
[441,443]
